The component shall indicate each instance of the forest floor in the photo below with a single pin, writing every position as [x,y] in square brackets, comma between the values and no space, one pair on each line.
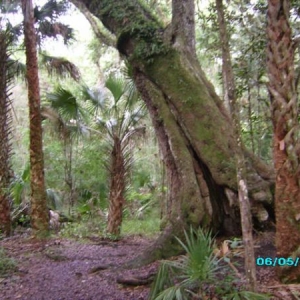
[65,269]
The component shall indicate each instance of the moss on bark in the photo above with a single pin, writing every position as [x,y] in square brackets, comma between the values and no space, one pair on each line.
[194,130]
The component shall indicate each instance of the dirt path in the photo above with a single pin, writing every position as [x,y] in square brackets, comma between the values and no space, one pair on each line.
[60,269]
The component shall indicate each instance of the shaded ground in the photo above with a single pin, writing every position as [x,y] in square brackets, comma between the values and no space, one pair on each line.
[62,269]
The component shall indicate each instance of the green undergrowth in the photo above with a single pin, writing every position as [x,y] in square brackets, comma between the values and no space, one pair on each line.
[95,226]
[7,264]
[200,274]
[85,228]
[148,227]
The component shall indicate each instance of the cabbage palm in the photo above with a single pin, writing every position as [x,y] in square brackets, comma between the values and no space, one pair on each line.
[46,20]
[8,69]
[117,116]
[39,211]
[66,114]
[5,130]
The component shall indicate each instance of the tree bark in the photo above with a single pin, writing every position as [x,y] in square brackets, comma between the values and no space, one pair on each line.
[39,210]
[5,132]
[230,98]
[117,189]
[286,144]
[194,130]
[227,73]
[183,25]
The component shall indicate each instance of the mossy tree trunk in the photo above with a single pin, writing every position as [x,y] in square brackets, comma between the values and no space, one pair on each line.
[194,130]
[286,143]
[39,210]
[5,131]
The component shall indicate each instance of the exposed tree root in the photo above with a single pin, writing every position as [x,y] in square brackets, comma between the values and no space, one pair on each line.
[163,247]
[136,280]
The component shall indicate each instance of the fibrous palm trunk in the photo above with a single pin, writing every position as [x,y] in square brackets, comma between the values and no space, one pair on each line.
[286,143]
[39,210]
[5,131]
[117,188]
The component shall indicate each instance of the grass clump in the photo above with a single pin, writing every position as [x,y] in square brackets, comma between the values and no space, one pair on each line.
[85,228]
[7,264]
[149,226]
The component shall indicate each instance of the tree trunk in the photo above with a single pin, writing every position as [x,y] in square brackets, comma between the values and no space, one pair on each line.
[183,25]
[116,189]
[39,210]
[194,130]
[286,144]
[5,131]
[68,166]
[230,98]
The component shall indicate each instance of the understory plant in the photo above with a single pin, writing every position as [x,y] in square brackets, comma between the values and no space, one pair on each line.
[199,274]
[7,264]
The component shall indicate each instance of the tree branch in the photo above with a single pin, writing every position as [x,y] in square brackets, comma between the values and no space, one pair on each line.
[105,37]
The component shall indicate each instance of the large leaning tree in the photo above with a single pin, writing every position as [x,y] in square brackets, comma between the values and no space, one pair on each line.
[194,130]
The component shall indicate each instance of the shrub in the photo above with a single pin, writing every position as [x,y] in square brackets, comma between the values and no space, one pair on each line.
[7,264]
[197,275]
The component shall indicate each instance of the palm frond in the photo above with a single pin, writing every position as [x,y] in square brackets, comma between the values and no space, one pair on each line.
[77,129]
[129,122]
[133,134]
[163,280]
[133,95]
[116,85]
[127,71]
[66,103]
[15,30]
[59,66]
[20,184]
[54,200]
[246,295]
[53,30]
[174,293]
[17,68]
[202,262]
[60,126]
[96,100]
[51,10]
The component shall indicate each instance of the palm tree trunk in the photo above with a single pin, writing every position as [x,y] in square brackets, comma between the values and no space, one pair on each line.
[5,125]
[39,210]
[286,144]
[117,189]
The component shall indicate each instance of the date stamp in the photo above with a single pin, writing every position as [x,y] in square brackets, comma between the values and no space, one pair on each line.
[277,262]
